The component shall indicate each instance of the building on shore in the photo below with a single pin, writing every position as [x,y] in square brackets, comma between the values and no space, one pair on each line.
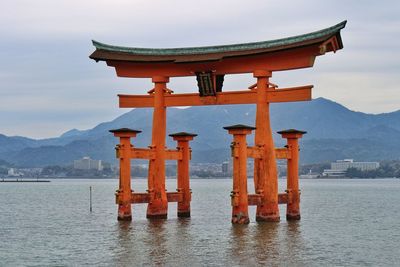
[12,172]
[339,168]
[86,163]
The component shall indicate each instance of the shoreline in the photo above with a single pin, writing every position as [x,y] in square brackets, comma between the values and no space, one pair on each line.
[47,179]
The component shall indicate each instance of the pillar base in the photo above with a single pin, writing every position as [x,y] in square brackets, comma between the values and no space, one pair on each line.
[125,218]
[183,214]
[240,219]
[268,213]
[156,216]
[268,218]
[157,209]
[124,212]
[293,217]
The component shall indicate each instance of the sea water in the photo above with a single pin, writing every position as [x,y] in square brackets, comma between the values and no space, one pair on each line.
[344,223]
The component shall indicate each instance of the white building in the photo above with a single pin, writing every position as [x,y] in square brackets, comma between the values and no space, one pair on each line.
[13,172]
[339,168]
[86,163]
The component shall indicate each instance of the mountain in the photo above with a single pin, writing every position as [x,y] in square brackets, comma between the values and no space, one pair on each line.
[334,132]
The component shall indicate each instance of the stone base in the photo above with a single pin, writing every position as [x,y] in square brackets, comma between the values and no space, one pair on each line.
[240,220]
[183,214]
[292,217]
[269,218]
[125,218]
[156,216]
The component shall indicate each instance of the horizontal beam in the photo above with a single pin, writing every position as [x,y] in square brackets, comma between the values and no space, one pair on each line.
[254,152]
[257,153]
[142,153]
[136,101]
[282,153]
[286,59]
[174,196]
[302,93]
[256,199]
[145,197]
[140,198]
[148,153]
[172,154]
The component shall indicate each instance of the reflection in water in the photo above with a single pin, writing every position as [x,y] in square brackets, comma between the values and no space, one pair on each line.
[125,243]
[183,231]
[240,245]
[153,242]
[156,241]
[266,242]
[294,243]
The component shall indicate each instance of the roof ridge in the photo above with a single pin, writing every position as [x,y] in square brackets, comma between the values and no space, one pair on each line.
[222,48]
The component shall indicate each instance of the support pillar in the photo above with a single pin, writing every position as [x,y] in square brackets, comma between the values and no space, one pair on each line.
[239,195]
[265,168]
[183,172]
[158,205]
[293,205]
[124,193]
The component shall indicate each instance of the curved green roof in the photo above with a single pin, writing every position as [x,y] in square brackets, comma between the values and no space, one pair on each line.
[284,42]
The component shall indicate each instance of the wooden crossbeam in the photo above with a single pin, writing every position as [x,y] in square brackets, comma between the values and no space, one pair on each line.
[257,153]
[145,197]
[172,154]
[175,196]
[142,153]
[254,152]
[148,153]
[140,198]
[282,153]
[301,93]
[256,199]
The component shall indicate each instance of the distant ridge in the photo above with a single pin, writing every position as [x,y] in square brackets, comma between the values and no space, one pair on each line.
[334,132]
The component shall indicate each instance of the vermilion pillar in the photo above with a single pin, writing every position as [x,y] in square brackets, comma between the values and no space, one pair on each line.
[265,169]
[293,205]
[158,206]
[124,193]
[239,196]
[183,172]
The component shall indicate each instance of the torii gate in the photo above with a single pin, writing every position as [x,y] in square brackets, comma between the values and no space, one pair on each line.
[209,65]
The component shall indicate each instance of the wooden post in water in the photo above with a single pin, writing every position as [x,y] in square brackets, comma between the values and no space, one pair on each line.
[265,169]
[239,195]
[90,198]
[158,206]
[124,193]
[293,204]
[183,172]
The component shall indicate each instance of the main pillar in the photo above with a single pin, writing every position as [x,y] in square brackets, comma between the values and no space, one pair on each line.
[158,205]
[124,193]
[265,169]
[239,196]
[293,205]
[183,172]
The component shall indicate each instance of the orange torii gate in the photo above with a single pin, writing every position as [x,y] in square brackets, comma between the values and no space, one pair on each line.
[209,65]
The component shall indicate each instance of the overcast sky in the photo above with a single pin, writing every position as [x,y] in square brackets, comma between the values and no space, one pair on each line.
[48,85]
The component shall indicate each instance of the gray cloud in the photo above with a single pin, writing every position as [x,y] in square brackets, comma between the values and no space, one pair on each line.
[46,78]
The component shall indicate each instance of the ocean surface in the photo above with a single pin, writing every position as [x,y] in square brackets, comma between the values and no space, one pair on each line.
[344,223]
